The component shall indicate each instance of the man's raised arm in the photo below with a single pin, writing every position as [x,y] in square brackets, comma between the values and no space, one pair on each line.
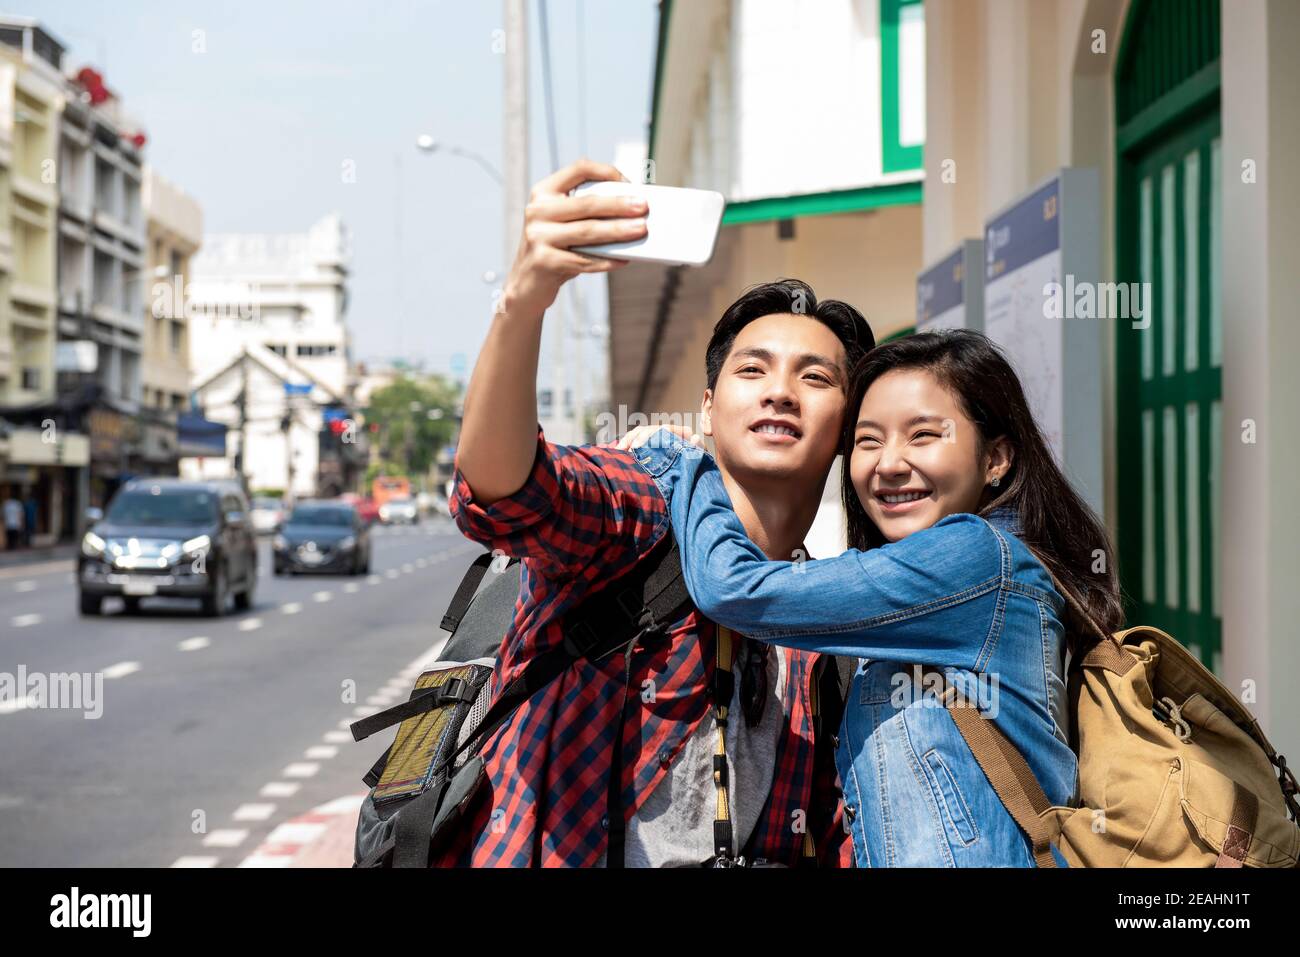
[498,437]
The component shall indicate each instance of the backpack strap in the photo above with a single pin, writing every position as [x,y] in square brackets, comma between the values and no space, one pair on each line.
[646,601]
[465,591]
[1006,770]
[724,687]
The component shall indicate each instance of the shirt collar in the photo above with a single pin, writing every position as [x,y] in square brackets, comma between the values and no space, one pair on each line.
[1005,518]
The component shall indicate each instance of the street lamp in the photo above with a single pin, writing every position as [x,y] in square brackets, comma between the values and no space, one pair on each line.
[427,144]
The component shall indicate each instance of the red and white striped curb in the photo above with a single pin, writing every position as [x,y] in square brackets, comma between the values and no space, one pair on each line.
[322,837]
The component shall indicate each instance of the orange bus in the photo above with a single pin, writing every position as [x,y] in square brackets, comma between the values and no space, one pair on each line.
[386,487]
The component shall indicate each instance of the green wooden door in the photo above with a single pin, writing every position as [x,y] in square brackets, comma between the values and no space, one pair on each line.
[1169,377]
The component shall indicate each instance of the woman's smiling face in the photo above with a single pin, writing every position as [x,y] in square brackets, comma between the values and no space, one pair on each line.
[916,456]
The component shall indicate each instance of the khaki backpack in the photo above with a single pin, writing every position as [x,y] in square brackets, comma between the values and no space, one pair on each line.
[1173,770]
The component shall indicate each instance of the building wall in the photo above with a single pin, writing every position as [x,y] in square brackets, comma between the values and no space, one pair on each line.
[102,277]
[175,230]
[1016,90]
[32,102]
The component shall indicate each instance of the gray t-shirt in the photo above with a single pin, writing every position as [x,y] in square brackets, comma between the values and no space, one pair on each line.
[674,825]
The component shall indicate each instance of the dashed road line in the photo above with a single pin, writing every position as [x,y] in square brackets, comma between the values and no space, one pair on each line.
[121,669]
[194,644]
[253,812]
[280,789]
[226,837]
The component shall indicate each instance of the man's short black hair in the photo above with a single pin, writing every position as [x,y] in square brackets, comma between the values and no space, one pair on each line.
[788,296]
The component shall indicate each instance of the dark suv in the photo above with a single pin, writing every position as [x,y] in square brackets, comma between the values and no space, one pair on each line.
[170,537]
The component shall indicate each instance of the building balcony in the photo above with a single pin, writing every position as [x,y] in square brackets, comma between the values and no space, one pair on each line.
[34,190]
[41,297]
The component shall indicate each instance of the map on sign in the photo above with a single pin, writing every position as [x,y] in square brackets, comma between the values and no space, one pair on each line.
[1022,256]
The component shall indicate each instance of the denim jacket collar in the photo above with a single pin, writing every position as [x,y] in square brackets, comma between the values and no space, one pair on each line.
[1005,518]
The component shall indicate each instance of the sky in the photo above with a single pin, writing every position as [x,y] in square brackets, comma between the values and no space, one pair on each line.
[257,115]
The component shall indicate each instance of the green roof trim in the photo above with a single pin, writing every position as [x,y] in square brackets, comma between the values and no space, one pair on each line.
[821,204]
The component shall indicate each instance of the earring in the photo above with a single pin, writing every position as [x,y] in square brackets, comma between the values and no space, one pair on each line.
[996,480]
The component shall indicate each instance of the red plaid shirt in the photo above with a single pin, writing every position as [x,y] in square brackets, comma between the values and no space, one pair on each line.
[585,516]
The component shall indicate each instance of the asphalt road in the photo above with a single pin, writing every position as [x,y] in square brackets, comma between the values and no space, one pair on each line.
[213,730]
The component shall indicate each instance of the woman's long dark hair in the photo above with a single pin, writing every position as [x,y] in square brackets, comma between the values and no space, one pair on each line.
[1054,521]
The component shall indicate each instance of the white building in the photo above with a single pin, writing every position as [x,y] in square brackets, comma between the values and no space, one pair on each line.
[269,310]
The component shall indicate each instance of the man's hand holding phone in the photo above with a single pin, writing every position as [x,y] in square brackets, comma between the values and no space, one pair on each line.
[554,222]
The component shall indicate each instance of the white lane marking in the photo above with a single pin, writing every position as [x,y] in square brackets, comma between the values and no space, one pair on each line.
[194,644]
[291,607]
[407,568]
[322,596]
[27,585]
[22,621]
[226,837]
[121,669]
[300,769]
[253,812]
[279,789]
[338,737]
[16,704]
[267,860]
[351,587]
[320,751]
[196,861]
[391,573]
[365,711]
[373,579]
[421,562]
[351,802]
[295,833]
[250,624]
[382,700]
[345,724]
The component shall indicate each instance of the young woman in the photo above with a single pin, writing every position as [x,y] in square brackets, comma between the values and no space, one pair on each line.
[948,485]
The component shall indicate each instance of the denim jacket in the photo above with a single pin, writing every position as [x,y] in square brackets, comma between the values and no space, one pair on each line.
[964,595]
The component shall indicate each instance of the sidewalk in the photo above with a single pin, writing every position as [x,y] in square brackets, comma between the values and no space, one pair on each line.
[36,555]
[323,837]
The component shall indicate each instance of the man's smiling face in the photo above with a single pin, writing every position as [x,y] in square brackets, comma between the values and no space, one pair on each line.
[777,408]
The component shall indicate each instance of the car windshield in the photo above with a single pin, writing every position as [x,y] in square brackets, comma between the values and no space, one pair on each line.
[320,515]
[160,506]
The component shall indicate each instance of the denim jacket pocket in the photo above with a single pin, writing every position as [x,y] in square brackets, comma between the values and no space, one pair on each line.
[958,821]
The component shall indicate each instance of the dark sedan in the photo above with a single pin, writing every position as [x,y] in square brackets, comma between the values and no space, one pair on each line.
[323,536]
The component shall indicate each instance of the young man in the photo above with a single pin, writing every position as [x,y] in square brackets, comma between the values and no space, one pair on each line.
[581,516]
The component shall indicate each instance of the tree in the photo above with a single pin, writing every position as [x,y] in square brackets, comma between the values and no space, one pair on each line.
[412,419]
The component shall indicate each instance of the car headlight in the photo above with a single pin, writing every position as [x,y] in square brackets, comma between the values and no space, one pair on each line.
[92,545]
[348,543]
[196,546]
[279,543]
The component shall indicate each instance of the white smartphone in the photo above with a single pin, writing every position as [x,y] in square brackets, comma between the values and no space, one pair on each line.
[681,224]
